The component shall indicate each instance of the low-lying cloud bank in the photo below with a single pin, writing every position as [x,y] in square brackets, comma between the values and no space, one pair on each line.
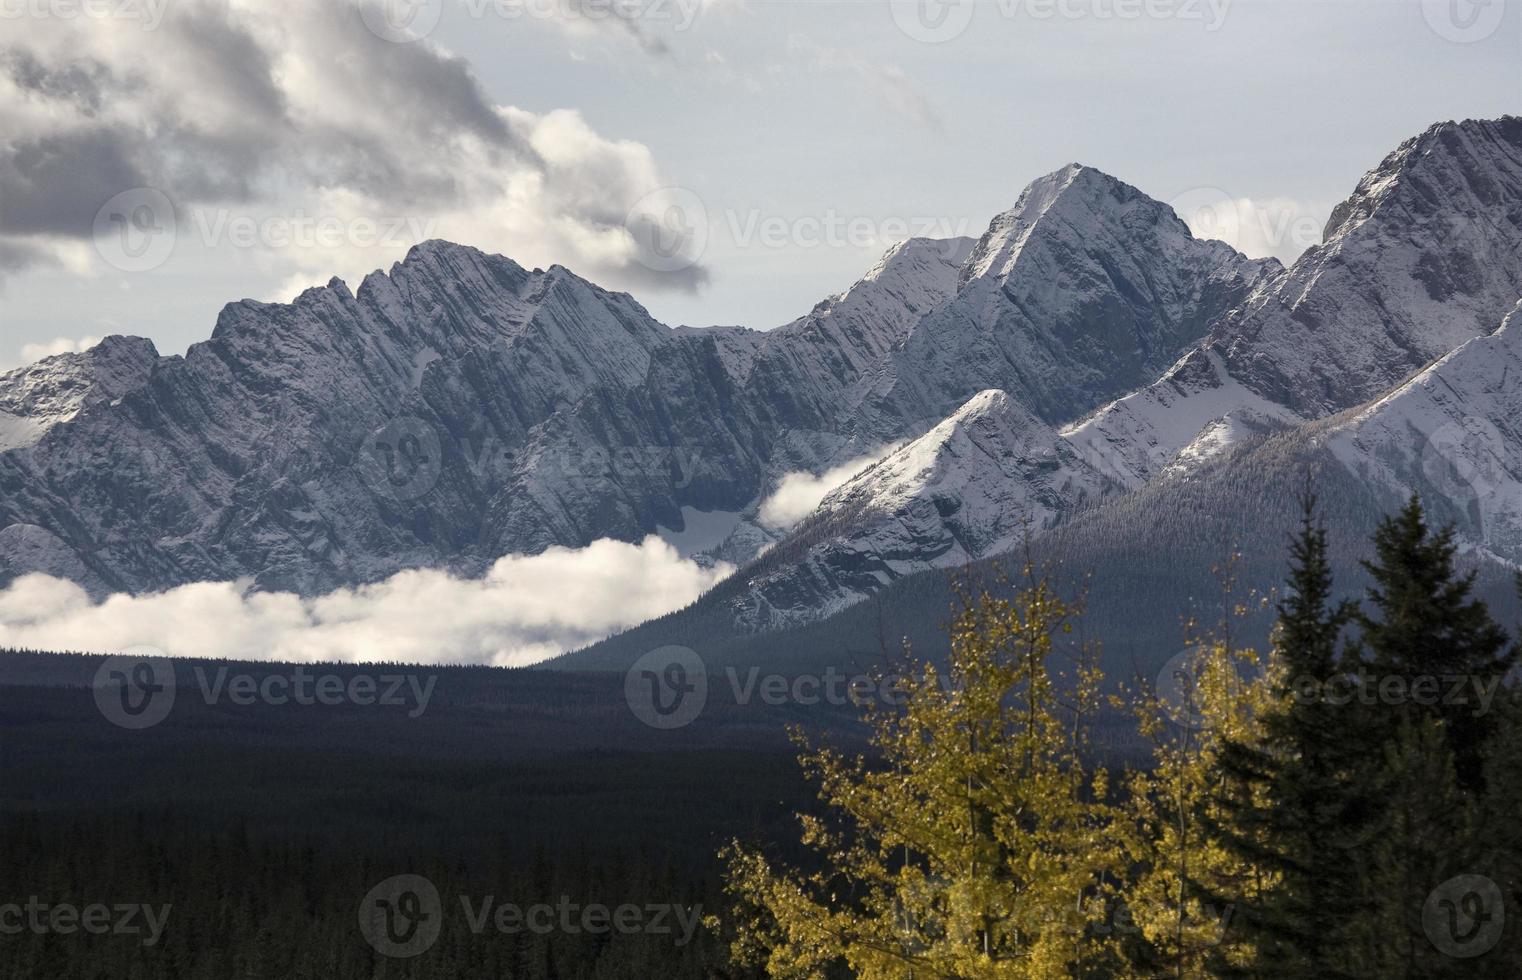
[526,609]
[800,492]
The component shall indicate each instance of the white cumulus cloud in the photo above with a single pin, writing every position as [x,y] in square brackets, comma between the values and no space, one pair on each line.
[524,610]
[800,492]
[290,131]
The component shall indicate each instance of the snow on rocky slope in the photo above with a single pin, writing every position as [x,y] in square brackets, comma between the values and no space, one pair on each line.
[1425,254]
[453,409]
[1453,434]
[460,407]
[35,398]
[975,485]
[1390,290]
[1084,290]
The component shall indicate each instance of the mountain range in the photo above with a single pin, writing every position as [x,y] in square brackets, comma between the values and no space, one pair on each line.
[1087,378]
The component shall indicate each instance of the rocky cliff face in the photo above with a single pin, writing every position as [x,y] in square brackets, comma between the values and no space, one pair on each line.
[33,399]
[976,485]
[1083,291]
[1453,434]
[1423,256]
[459,407]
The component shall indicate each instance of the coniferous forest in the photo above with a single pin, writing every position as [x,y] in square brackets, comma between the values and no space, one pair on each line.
[1340,803]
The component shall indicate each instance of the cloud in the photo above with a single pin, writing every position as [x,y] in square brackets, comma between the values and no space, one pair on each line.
[798,493]
[1281,227]
[284,110]
[31,353]
[888,82]
[524,610]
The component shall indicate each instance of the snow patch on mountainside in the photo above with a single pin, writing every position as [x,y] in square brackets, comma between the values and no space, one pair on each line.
[975,485]
[35,398]
[701,531]
[1453,434]
[1194,412]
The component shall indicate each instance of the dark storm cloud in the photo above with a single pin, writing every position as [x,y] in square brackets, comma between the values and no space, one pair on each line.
[273,106]
[55,184]
[79,84]
[16,255]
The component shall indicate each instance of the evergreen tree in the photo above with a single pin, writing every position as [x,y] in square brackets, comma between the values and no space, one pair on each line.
[1287,803]
[1427,634]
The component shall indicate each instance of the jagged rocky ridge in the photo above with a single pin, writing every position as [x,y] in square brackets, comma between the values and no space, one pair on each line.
[460,407]
[1424,256]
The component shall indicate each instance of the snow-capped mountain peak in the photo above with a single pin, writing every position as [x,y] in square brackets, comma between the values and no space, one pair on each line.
[39,396]
[974,485]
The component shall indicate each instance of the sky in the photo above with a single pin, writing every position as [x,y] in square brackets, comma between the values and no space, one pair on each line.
[726,161]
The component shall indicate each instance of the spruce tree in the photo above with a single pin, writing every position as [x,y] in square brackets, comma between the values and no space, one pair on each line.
[1428,640]
[1290,807]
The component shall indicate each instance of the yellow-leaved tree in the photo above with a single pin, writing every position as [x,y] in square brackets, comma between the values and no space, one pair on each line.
[975,844]
[1186,889]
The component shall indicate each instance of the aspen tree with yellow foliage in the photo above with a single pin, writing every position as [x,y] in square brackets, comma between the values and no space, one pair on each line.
[979,845]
